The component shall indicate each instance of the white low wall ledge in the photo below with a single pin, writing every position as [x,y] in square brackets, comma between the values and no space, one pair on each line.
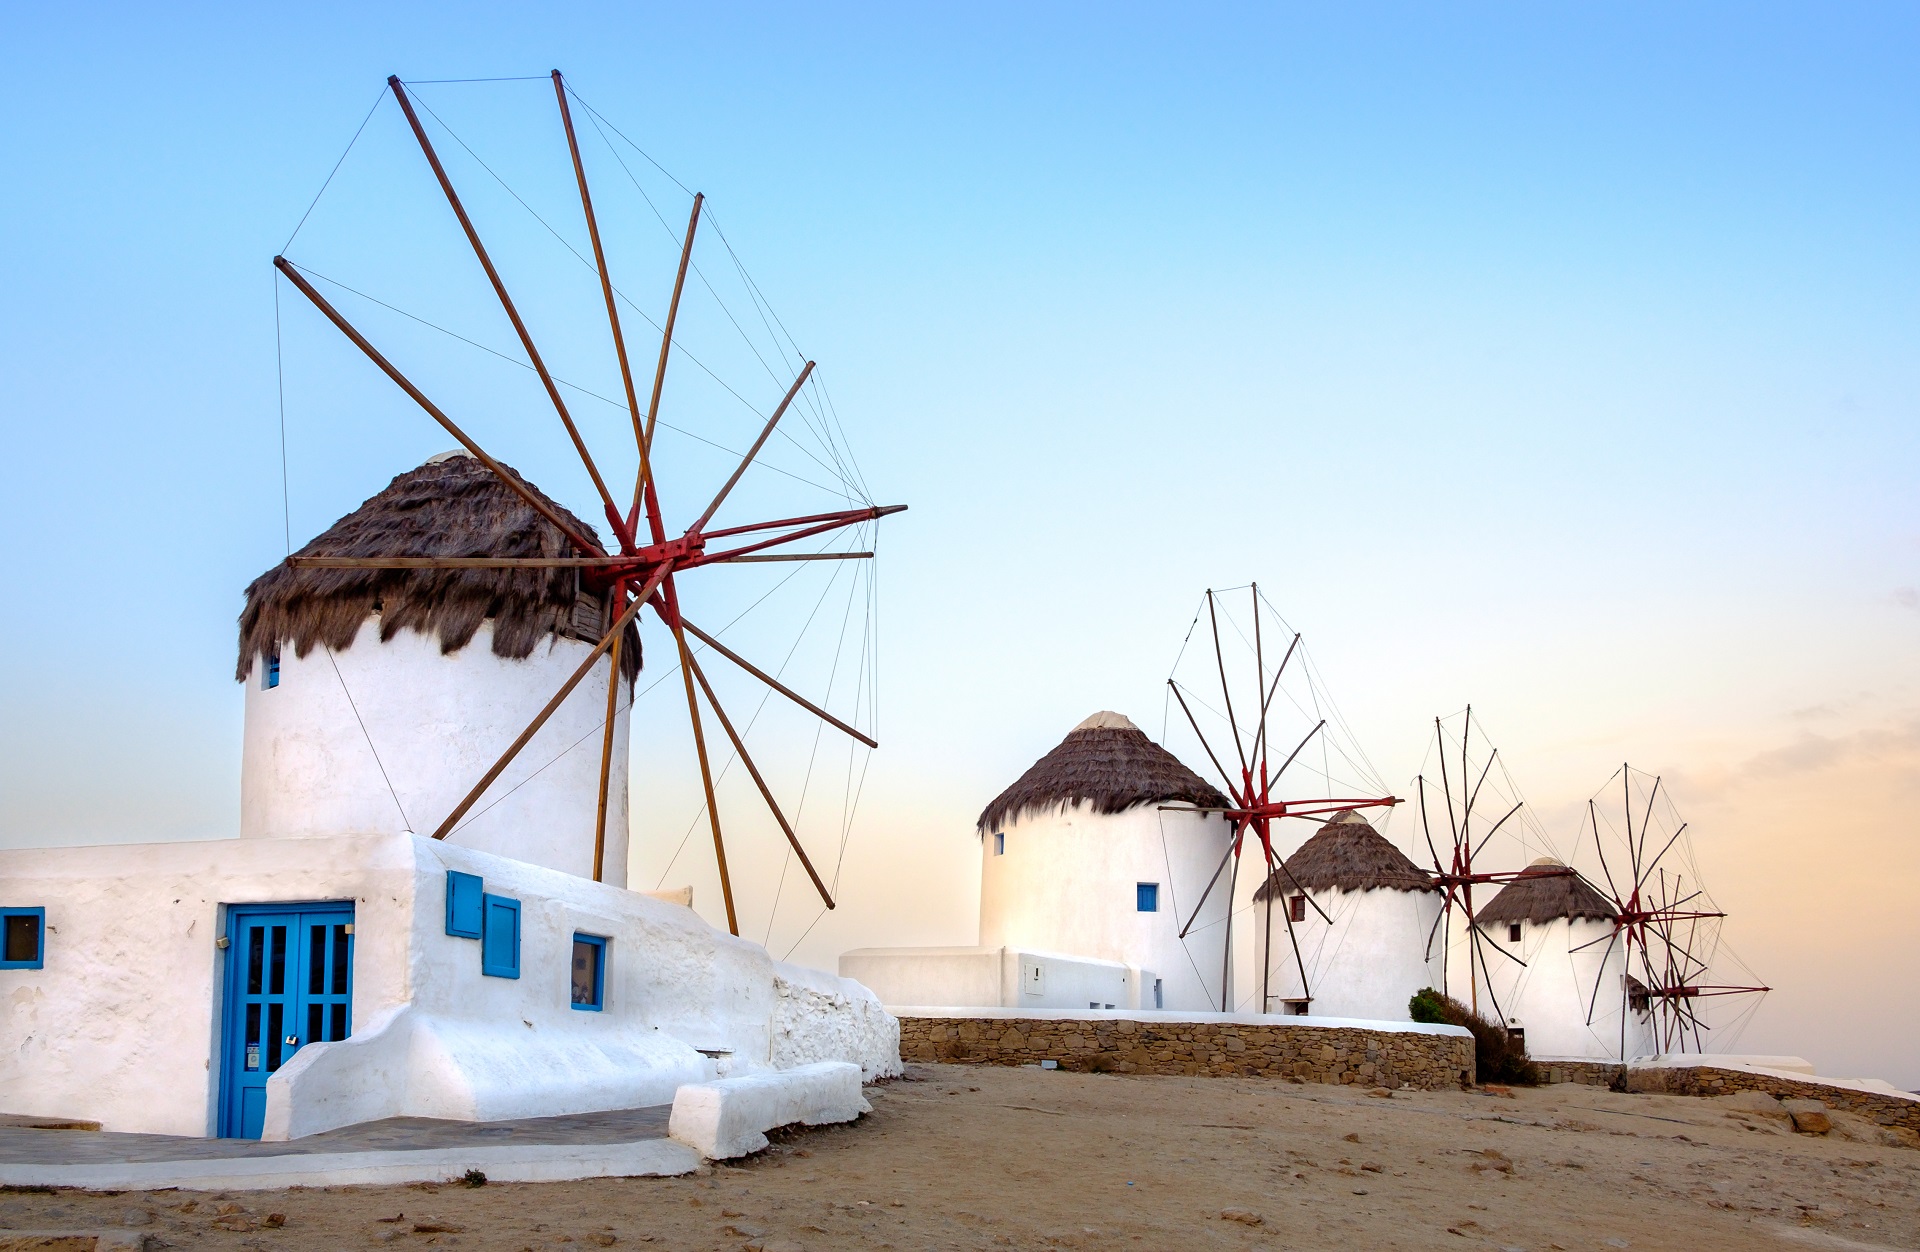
[1162,1016]
[729,1118]
[503,1163]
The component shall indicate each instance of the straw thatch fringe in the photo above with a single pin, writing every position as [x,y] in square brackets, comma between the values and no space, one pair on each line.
[1545,892]
[454,507]
[1110,768]
[1349,854]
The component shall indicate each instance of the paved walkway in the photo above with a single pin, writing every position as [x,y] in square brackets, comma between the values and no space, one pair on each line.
[399,1149]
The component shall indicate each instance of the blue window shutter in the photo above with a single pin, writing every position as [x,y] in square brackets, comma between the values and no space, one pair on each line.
[23,938]
[463,904]
[1147,897]
[500,940]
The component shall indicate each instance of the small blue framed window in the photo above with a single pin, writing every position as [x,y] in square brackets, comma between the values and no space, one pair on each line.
[499,937]
[999,843]
[270,672]
[1146,897]
[589,972]
[463,904]
[23,938]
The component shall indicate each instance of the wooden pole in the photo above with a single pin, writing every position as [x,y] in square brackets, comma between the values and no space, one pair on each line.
[794,556]
[606,758]
[506,302]
[643,487]
[456,562]
[765,432]
[600,262]
[500,471]
[540,718]
[706,770]
[776,684]
[766,793]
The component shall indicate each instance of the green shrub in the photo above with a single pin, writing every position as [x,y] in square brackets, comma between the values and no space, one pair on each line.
[1497,1055]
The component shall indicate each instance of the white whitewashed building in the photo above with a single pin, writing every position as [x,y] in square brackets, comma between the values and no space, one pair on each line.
[1086,881]
[1574,999]
[1369,954]
[336,965]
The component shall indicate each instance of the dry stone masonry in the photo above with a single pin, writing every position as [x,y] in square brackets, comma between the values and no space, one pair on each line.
[1324,1054]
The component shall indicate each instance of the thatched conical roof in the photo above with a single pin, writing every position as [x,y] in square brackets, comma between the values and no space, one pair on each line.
[451,506]
[1349,854]
[1544,892]
[1105,762]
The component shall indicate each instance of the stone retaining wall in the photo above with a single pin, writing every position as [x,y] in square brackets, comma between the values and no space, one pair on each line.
[1591,1073]
[1328,1054]
[1709,1080]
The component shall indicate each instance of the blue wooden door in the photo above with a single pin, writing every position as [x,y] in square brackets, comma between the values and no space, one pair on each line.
[289,983]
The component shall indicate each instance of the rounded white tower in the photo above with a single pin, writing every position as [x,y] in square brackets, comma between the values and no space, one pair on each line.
[1574,999]
[1080,859]
[377,698]
[1370,958]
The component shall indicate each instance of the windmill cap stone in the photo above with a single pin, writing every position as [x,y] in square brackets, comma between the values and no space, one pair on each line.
[1107,719]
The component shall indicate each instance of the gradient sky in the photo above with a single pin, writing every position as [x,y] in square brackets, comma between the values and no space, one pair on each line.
[1561,360]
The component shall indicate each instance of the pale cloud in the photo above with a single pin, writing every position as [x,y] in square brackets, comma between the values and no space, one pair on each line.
[1907,598]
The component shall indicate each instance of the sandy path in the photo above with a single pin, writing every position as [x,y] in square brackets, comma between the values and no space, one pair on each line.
[966,1157]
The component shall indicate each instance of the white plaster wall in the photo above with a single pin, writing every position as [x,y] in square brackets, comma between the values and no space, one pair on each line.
[122,1025]
[1549,998]
[312,758]
[1366,962]
[1067,880]
[995,977]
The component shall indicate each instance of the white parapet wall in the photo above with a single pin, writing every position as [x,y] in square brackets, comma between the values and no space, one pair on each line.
[730,1117]
[123,1023]
[1010,978]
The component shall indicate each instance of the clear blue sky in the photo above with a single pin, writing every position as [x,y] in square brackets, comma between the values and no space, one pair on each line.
[1561,359]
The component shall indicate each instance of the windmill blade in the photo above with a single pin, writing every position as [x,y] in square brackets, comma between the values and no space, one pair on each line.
[1496,947]
[1446,786]
[1233,789]
[766,793]
[1311,902]
[1646,821]
[606,755]
[793,556]
[847,519]
[619,524]
[1286,915]
[776,684]
[1233,845]
[1474,937]
[1225,692]
[766,433]
[600,264]
[1493,829]
[1668,848]
[1613,892]
[1593,1001]
[1420,782]
[457,562]
[1260,737]
[1297,750]
[1446,907]
[666,341]
[387,367]
[540,718]
[706,767]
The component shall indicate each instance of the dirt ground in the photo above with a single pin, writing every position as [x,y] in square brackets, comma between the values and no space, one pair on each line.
[980,1157]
